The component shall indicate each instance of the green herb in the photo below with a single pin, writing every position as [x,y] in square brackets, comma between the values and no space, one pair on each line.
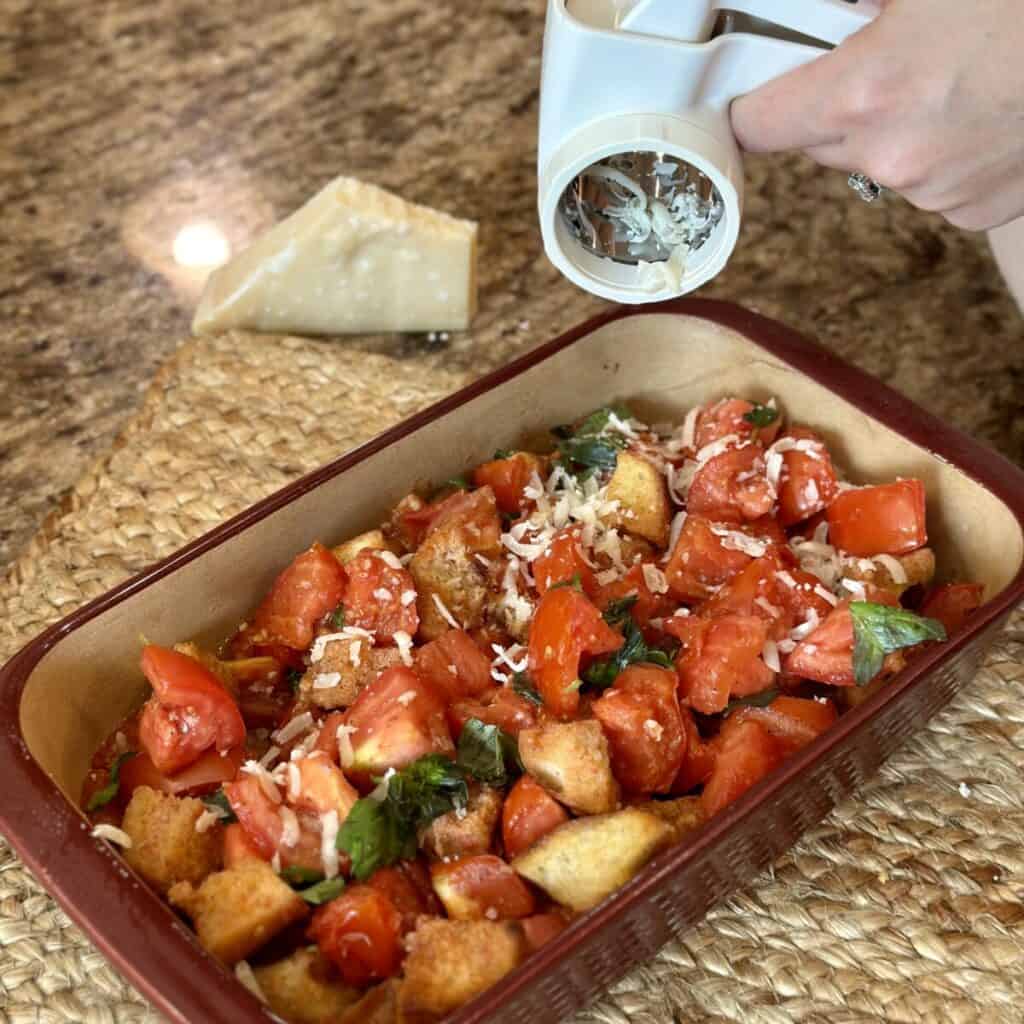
[294,675]
[762,415]
[523,685]
[501,453]
[598,420]
[879,629]
[458,483]
[634,651]
[219,803]
[323,892]
[103,796]
[617,614]
[337,619]
[377,832]
[296,875]
[755,700]
[488,753]
[586,448]
[575,583]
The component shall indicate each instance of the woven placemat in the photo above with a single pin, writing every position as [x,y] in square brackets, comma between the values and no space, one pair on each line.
[904,905]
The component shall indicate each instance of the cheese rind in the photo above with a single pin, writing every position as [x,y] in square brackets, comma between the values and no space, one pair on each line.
[354,259]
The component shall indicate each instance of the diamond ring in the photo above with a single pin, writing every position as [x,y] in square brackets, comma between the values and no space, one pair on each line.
[867,188]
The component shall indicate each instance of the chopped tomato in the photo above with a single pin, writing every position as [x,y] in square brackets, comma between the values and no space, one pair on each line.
[953,603]
[529,812]
[237,848]
[500,706]
[540,929]
[565,627]
[699,759]
[190,711]
[322,786]
[807,482]
[407,884]
[474,514]
[793,721]
[700,562]
[394,720]
[264,693]
[640,717]
[483,886]
[753,591]
[647,606]
[721,658]
[799,593]
[360,932]
[454,665]
[563,561]
[375,597]
[327,737]
[884,520]
[508,479]
[732,487]
[204,775]
[726,417]
[303,594]
[747,752]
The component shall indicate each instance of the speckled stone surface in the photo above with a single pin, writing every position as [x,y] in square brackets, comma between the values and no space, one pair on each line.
[122,123]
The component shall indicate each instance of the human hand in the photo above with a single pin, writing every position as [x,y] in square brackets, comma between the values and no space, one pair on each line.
[928,100]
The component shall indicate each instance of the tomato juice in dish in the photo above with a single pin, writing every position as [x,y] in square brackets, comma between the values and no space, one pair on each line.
[431,746]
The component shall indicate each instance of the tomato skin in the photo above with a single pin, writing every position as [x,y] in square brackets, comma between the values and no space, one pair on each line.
[454,649]
[529,812]
[754,592]
[953,604]
[303,594]
[508,479]
[360,932]
[700,561]
[483,886]
[500,706]
[323,786]
[698,760]
[369,576]
[407,885]
[391,728]
[204,775]
[327,737]
[793,721]
[732,487]
[189,712]
[562,561]
[647,606]
[540,929]
[720,658]
[565,627]
[884,520]
[806,484]
[237,848]
[641,720]
[724,417]
[747,753]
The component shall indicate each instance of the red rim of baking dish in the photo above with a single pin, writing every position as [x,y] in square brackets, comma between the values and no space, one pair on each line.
[158,953]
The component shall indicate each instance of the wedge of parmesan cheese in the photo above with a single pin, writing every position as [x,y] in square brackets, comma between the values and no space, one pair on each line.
[354,259]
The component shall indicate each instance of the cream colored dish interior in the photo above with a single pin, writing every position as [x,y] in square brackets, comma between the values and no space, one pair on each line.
[661,364]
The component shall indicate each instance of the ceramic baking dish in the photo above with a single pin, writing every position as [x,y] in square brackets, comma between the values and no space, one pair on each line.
[63,693]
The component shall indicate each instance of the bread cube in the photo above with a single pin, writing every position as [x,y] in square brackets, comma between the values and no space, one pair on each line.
[303,988]
[918,568]
[571,761]
[237,911]
[684,815]
[468,835]
[642,494]
[166,845]
[379,1005]
[354,672]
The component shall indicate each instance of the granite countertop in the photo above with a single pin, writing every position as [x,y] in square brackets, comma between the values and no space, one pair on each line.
[123,123]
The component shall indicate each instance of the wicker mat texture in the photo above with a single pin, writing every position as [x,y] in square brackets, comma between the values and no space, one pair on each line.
[904,905]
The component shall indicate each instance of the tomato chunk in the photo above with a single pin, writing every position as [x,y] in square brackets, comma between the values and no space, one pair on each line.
[375,597]
[563,561]
[698,760]
[884,520]
[726,417]
[747,753]
[190,711]
[807,482]
[360,932]
[204,775]
[647,606]
[641,719]
[529,812]
[303,594]
[407,884]
[508,479]
[237,848]
[565,627]
[454,665]
[540,929]
[483,886]
[394,720]
[498,706]
[953,603]
[793,721]
[700,561]
[322,786]
[732,487]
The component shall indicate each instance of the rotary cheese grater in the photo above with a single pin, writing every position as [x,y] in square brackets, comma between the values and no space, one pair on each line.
[640,180]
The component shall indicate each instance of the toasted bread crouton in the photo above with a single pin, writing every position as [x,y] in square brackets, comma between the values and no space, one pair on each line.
[585,860]
[469,835]
[379,1005]
[303,988]
[372,540]
[571,761]
[347,666]
[917,568]
[450,962]
[684,815]
[237,911]
[166,846]
[640,490]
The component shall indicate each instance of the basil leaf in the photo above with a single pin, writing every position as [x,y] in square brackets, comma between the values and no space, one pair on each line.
[575,583]
[618,611]
[374,837]
[296,875]
[219,803]
[597,421]
[294,677]
[586,448]
[459,483]
[103,796]
[755,700]
[323,891]
[501,453]
[337,619]
[429,787]
[880,629]
[603,672]
[523,685]
[488,753]
[762,415]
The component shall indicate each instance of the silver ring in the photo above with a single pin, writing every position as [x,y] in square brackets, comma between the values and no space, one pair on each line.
[867,188]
